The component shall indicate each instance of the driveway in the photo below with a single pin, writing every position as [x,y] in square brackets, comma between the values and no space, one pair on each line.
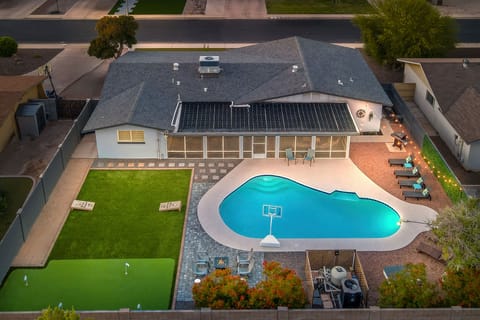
[236,9]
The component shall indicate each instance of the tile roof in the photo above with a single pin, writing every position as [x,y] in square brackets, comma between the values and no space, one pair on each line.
[250,74]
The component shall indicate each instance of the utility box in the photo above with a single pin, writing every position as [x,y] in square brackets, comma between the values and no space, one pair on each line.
[31,119]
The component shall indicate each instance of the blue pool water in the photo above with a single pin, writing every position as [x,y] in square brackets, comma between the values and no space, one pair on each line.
[305,212]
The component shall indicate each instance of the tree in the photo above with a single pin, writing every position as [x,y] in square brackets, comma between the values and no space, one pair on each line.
[461,287]
[114,33]
[457,229]
[58,314]
[282,287]
[409,288]
[8,46]
[405,29]
[221,290]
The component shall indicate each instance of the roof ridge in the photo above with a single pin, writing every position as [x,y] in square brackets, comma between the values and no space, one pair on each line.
[302,59]
[131,113]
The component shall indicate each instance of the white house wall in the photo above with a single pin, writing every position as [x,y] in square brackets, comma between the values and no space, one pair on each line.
[439,122]
[108,147]
[370,122]
[473,159]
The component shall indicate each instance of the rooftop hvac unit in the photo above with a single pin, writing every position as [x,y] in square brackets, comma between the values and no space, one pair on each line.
[31,119]
[209,65]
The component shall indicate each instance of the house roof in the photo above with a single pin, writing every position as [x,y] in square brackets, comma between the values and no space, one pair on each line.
[457,90]
[248,75]
[12,89]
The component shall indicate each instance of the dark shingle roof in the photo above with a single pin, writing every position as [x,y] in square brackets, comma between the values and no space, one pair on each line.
[457,90]
[251,74]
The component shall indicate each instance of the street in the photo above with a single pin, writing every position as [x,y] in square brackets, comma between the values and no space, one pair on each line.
[206,30]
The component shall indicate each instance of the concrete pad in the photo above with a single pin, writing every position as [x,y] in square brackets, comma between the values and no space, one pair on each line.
[70,65]
[44,233]
[17,9]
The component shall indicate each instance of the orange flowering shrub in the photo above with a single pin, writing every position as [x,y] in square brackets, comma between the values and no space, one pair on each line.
[282,287]
[221,290]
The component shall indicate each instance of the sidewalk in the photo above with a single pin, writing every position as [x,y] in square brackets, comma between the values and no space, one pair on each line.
[227,9]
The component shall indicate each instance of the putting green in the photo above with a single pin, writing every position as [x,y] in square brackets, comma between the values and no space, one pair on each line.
[91,284]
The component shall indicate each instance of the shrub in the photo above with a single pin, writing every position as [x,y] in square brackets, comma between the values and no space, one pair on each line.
[221,290]
[282,287]
[409,288]
[8,46]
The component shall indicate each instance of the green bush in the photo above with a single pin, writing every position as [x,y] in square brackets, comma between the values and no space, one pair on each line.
[8,46]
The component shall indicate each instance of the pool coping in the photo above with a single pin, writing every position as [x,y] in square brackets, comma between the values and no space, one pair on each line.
[326,175]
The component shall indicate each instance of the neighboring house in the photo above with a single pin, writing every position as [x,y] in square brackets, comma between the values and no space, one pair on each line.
[250,102]
[448,93]
[15,90]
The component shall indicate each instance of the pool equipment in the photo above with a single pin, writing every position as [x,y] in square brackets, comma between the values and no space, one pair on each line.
[351,293]
[338,273]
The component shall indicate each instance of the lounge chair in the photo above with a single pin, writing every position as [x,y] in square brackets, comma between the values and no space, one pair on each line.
[407,173]
[246,267]
[400,162]
[290,156]
[430,250]
[418,184]
[424,194]
[309,156]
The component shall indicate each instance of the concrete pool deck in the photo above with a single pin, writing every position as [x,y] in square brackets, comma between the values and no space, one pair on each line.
[327,175]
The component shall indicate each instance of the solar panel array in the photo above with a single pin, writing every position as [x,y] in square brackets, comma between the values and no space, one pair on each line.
[266,117]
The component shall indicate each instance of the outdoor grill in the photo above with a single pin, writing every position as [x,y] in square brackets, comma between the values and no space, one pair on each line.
[399,139]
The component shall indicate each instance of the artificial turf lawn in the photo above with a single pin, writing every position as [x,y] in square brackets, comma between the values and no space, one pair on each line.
[125,222]
[91,284]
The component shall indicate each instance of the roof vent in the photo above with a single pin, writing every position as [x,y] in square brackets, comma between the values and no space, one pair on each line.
[351,79]
[205,89]
[294,68]
[178,83]
[209,65]
[175,66]
[340,82]
[465,63]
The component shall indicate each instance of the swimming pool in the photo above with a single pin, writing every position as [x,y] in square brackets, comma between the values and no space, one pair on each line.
[305,212]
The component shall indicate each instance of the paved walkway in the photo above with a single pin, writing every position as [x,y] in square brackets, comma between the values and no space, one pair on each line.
[44,233]
[228,9]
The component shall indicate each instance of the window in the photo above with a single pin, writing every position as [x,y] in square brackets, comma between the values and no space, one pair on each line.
[430,98]
[130,136]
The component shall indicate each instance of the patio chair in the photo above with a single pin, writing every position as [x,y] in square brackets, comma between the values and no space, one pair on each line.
[418,184]
[290,156]
[414,173]
[424,194]
[309,156]
[202,265]
[400,162]
[246,267]
[244,256]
